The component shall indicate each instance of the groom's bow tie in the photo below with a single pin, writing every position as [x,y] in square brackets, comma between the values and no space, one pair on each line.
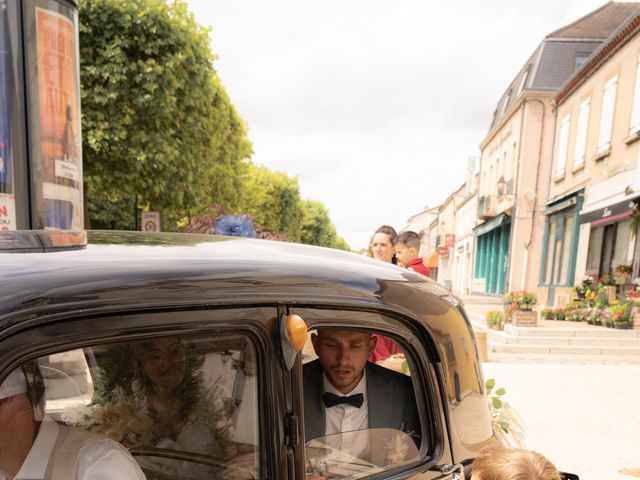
[331,400]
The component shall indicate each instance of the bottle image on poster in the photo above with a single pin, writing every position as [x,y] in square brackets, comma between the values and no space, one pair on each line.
[60,165]
[7,198]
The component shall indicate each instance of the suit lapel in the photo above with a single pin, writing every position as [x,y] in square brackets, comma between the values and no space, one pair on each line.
[379,399]
[314,412]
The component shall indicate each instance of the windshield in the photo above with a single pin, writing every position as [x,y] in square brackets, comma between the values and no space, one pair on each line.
[358,453]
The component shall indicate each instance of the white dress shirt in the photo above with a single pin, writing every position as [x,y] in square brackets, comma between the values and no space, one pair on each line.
[345,417]
[103,459]
[348,418]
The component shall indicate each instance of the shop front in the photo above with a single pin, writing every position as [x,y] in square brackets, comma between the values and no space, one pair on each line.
[492,254]
[612,244]
[560,245]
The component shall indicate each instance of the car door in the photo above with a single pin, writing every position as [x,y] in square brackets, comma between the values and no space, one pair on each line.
[103,373]
[389,452]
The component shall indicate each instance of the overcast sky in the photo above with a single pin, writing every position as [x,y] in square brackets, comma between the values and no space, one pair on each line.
[374,105]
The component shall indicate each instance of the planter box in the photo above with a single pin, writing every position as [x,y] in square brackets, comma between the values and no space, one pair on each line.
[524,318]
[635,318]
[611,292]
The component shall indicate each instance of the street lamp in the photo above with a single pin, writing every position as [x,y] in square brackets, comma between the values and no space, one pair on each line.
[502,184]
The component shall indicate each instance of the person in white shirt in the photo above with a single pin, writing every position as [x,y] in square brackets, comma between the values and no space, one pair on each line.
[43,450]
[345,392]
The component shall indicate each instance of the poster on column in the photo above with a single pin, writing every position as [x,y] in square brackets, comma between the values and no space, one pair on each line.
[6,159]
[7,199]
[60,168]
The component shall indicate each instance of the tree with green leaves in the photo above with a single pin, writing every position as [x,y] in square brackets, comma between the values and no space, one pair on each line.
[317,228]
[273,200]
[341,244]
[159,131]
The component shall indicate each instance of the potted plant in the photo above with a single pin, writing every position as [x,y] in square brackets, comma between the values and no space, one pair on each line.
[523,303]
[528,300]
[622,274]
[621,315]
[606,284]
[585,286]
[604,296]
[522,300]
[590,297]
[547,313]
[495,320]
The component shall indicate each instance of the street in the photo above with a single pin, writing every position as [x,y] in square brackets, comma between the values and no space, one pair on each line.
[582,415]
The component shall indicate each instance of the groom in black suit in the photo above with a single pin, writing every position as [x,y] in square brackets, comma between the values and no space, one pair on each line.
[345,392]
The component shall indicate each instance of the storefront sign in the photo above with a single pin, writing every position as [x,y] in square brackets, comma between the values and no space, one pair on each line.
[450,239]
[608,214]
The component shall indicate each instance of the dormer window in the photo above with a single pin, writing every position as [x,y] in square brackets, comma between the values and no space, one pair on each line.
[505,104]
[523,82]
[581,59]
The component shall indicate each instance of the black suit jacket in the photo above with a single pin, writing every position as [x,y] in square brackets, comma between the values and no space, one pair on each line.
[392,403]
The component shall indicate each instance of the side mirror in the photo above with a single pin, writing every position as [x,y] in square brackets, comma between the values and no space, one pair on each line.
[293,335]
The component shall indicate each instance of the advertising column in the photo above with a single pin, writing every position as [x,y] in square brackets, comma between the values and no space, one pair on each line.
[55,137]
[7,197]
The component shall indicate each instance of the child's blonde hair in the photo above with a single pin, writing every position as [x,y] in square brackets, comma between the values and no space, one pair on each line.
[502,463]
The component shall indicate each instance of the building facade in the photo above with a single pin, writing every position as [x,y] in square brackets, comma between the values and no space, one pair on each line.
[595,180]
[515,161]
[464,249]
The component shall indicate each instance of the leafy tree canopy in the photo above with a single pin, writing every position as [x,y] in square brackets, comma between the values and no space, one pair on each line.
[160,132]
[273,199]
[157,123]
[317,228]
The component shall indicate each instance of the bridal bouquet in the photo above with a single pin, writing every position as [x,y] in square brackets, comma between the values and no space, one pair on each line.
[123,419]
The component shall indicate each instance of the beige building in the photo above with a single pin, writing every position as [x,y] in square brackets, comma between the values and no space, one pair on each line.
[446,240]
[515,161]
[463,251]
[595,178]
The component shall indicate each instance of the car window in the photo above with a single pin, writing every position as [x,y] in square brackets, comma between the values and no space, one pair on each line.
[361,437]
[358,454]
[184,406]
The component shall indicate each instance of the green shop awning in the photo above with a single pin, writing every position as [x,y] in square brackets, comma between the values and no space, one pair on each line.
[562,205]
[491,224]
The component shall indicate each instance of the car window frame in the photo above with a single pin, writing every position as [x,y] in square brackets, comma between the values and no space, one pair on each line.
[418,342]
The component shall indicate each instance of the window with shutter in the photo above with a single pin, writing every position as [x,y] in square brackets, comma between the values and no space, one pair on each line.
[581,138]
[563,145]
[606,116]
[635,112]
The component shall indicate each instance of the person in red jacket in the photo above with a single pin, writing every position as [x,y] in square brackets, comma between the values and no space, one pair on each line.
[407,246]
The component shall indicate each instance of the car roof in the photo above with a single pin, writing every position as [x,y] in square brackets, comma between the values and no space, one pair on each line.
[122,270]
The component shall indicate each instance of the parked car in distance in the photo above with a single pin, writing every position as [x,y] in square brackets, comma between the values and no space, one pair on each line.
[111,319]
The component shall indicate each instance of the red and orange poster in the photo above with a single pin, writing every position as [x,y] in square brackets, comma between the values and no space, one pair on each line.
[59,110]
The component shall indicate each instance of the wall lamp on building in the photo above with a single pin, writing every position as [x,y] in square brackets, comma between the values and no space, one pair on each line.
[502,185]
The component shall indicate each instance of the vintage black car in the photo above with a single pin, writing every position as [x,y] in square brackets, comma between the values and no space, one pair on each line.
[104,315]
